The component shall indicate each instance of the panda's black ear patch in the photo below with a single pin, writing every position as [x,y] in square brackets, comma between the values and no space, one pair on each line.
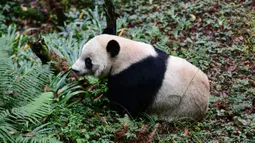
[113,48]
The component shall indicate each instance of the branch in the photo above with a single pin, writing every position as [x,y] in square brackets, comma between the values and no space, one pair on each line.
[46,55]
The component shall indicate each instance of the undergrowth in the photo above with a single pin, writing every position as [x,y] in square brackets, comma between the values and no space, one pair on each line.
[217,36]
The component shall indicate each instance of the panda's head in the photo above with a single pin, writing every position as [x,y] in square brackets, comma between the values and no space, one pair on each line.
[97,56]
[109,54]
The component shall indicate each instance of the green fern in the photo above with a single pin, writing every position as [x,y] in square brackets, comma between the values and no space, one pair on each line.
[23,103]
[40,139]
[236,108]
[34,110]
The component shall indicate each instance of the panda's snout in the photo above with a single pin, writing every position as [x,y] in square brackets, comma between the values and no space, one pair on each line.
[75,68]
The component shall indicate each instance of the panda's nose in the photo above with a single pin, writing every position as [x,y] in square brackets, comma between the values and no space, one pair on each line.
[75,71]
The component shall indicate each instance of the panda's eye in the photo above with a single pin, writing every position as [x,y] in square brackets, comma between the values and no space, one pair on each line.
[88,63]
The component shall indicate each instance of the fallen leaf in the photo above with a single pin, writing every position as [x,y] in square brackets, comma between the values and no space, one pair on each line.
[29,135]
[90,88]
[46,88]
[11,132]
[218,87]
[223,94]
[26,47]
[186,6]
[186,132]
[152,134]
[59,91]
[220,104]
[125,125]
[98,96]
[193,17]
[232,68]
[81,15]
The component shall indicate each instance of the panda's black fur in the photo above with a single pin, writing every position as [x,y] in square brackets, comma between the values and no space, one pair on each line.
[133,90]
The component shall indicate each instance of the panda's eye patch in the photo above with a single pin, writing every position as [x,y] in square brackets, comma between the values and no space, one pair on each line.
[88,63]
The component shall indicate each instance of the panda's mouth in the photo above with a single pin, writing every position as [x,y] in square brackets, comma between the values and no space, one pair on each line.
[81,72]
[76,72]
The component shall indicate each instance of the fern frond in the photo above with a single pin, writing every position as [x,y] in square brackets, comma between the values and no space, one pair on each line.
[38,135]
[4,72]
[5,135]
[37,139]
[239,107]
[38,108]
[22,100]
[4,114]
[29,85]
[23,88]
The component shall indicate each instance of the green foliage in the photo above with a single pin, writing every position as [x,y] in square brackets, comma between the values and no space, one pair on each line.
[22,101]
[8,11]
[216,36]
[64,89]
[79,123]
[69,42]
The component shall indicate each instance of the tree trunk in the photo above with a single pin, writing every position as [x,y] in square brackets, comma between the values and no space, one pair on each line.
[110,17]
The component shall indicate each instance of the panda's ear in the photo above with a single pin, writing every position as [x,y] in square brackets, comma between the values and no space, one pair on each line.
[113,48]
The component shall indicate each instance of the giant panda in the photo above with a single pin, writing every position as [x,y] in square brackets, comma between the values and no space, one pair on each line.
[144,79]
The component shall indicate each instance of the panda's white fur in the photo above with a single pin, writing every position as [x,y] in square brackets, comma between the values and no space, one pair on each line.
[185,88]
[184,92]
[131,52]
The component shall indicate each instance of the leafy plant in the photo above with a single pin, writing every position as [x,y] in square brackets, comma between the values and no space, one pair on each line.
[22,101]
[8,11]
[217,36]
[64,89]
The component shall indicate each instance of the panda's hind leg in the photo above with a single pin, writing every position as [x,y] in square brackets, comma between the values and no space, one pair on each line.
[194,104]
